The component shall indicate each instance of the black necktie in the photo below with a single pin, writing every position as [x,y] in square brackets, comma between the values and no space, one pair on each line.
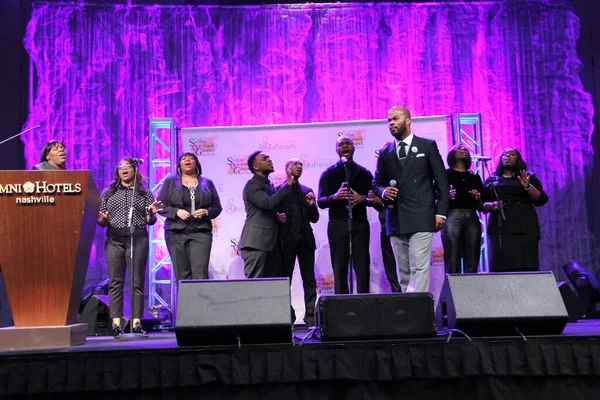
[401,153]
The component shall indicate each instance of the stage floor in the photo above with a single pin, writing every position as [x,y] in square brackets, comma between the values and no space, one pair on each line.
[558,366]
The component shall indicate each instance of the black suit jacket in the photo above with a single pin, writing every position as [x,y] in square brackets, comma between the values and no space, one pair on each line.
[415,208]
[309,214]
[171,195]
[261,200]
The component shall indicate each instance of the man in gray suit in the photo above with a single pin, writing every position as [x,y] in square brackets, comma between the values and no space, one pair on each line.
[407,170]
[259,244]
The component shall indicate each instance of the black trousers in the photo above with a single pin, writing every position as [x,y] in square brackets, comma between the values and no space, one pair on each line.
[389,261]
[306,262]
[262,264]
[513,253]
[118,257]
[461,238]
[190,253]
[338,235]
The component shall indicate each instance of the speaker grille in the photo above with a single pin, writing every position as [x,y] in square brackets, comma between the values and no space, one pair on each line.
[382,316]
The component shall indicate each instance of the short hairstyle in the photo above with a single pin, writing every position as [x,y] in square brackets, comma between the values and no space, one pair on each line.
[291,161]
[340,138]
[48,146]
[188,154]
[251,160]
[451,158]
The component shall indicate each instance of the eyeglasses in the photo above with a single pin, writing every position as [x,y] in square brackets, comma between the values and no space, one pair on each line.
[124,166]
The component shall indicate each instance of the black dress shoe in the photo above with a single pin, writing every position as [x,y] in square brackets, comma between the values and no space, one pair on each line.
[137,328]
[117,330]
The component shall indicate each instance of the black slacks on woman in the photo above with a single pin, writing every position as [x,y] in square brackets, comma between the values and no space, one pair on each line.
[461,238]
[190,253]
[117,250]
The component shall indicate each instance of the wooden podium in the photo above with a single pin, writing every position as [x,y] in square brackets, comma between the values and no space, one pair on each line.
[47,224]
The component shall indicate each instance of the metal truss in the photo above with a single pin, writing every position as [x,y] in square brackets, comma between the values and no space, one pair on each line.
[162,149]
[467,131]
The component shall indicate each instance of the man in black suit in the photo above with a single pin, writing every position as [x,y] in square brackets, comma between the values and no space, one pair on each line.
[407,170]
[259,243]
[297,211]
[334,190]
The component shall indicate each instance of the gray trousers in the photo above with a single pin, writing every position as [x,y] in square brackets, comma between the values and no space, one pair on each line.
[118,258]
[413,259]
[190,253]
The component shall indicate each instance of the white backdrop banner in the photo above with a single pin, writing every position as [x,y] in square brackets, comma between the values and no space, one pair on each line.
[223,153]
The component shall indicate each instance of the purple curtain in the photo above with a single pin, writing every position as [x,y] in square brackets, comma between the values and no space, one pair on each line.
[103,70]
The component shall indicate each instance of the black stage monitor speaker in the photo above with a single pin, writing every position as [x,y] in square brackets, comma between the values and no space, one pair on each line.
[375,316]
[575,307]
[502,304]
[96,314]
[233,312]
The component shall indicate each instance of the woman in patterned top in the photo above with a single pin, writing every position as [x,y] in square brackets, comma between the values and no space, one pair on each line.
[114,213]
[190,203]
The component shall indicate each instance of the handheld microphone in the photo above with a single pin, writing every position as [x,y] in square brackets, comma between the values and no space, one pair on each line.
[344,160]
[393,183]
[481,158]
[138,161]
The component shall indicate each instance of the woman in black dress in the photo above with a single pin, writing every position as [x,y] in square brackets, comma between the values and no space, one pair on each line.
[461,235]
[510,196]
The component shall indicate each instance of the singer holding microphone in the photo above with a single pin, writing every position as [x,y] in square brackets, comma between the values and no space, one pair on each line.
[191,202]
[407,171]
[54,157]
[343,183]
[115,205]
[510,195]
[461,235]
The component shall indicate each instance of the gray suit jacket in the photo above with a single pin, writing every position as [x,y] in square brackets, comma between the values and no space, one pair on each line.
[45,166]
[261,200]
[415,207]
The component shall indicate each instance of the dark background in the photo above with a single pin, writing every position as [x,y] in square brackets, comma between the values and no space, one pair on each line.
[16,78]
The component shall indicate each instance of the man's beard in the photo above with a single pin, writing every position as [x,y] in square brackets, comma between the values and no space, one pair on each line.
[401,131]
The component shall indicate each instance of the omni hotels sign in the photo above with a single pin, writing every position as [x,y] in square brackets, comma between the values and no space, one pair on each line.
[38,192]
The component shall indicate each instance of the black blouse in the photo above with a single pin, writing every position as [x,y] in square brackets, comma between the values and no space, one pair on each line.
[519,208]
[463,182]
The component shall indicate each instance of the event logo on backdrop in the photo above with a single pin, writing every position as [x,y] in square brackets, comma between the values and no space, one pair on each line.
[236,164]
[276,145]
[314,144]
[203,146]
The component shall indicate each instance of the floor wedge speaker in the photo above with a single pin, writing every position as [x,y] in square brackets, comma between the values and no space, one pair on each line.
[502,304]
[375,316]
[575,307]
[233,312]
